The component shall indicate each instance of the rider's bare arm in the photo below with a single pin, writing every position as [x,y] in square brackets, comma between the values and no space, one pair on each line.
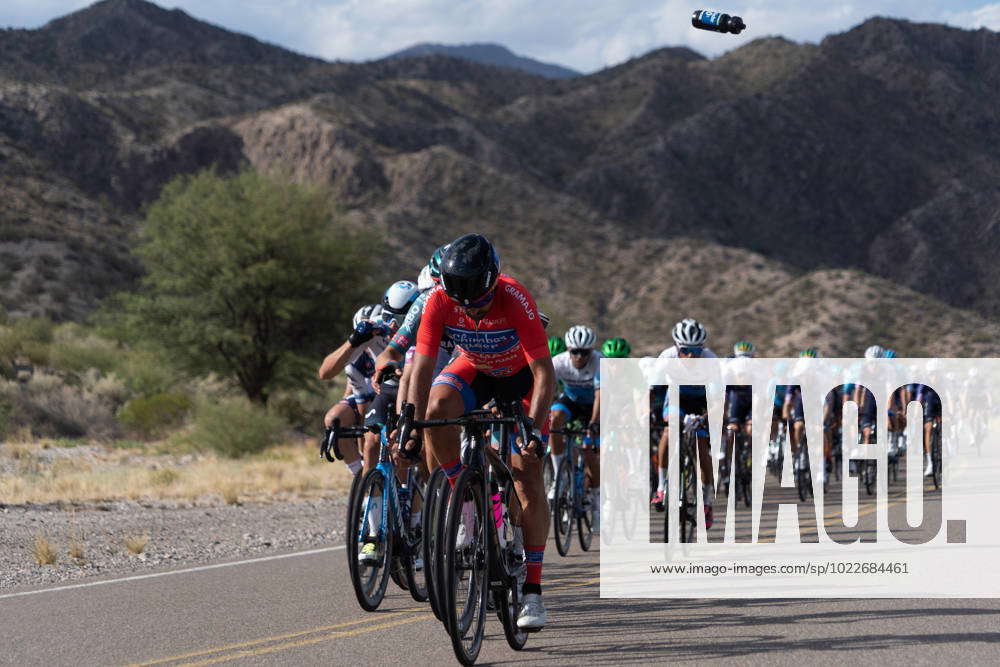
[336,361]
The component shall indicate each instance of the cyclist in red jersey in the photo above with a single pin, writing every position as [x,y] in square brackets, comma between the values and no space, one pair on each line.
[494,322]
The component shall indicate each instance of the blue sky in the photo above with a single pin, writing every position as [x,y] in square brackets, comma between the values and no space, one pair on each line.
[583,34]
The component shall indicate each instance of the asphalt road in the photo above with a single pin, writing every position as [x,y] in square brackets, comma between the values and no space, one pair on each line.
[300,609]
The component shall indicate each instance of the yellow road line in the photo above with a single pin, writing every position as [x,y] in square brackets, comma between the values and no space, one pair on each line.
[335,635]
[306,642]
[275,638]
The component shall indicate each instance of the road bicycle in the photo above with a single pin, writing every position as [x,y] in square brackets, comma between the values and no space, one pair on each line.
[477,551]
[737,473]
[573,502]
[688,486]
[379,513]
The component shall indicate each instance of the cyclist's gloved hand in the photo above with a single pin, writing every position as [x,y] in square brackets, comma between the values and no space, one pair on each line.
[410,450]
[362,333]
[594,428]
[534,444]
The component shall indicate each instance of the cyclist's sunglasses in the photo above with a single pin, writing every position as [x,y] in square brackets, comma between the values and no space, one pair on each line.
[691,351]
[483,300]
[581,352]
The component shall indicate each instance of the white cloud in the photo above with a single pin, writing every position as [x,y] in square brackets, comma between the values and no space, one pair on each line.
[583,34]
[987,16]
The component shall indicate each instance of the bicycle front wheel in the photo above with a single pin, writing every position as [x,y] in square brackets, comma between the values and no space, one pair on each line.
[370,574]
[562,514]
[466,556]
[436,499]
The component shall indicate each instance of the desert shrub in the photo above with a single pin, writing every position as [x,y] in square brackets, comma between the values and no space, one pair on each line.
[235,427]
[152,416]
[75,350]
[146,372]
[50,407]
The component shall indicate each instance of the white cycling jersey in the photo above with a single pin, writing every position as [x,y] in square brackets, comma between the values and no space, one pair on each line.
[361,366]
[578,383]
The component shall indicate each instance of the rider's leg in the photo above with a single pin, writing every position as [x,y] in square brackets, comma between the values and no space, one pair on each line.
[663,454]
[535,515]
[445,402]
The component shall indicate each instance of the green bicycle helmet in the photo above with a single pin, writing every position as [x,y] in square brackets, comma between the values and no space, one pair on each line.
[616,348]
[744,349]
[810,353]
[556,345]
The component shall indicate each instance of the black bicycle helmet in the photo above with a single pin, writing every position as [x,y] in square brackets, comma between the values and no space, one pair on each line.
[469,268]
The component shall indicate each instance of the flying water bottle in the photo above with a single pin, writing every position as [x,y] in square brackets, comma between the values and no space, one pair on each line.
[717,22]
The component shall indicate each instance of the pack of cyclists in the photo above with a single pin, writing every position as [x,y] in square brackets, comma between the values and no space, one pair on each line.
[466,334]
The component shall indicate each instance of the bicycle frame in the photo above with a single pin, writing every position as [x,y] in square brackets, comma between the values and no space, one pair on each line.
[390,497]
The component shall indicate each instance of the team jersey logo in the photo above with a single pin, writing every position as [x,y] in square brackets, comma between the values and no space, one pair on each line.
[483,342]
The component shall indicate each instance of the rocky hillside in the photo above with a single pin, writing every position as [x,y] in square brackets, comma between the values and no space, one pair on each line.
[768,191]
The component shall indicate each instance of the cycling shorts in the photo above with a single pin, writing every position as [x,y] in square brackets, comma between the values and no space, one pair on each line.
[573,410]
[477,388]
[378,411]
[355,401]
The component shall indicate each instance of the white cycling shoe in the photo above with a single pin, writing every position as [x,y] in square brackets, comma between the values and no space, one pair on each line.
[532,616]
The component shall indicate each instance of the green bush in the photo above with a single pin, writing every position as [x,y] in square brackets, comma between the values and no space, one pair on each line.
[302,409]
[150,417]
[78,357]
[235,427]
[147,373]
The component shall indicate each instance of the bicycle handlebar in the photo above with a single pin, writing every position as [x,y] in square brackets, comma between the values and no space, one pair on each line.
[407,423]
[333,434]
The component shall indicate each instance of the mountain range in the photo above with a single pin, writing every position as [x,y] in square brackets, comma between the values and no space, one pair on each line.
[488,54]
[831,195]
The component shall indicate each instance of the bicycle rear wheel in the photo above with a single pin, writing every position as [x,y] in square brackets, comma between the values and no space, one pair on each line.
[466,556]
[508,605]
[562,516]
[370,579]
[416,583]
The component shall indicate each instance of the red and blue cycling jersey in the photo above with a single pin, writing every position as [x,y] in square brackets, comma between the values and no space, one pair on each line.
[501,343]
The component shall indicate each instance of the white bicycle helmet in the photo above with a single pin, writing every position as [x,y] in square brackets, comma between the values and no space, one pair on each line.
[689,333]
[364,313]
[424,280]
[580,337]
[400,295]
[874,352]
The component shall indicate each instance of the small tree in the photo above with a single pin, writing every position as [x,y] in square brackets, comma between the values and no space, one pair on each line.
[246,278]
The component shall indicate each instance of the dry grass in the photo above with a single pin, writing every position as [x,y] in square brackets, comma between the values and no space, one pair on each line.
[230,494]
[136,544]
[45,553]
[77,551]
[284,472]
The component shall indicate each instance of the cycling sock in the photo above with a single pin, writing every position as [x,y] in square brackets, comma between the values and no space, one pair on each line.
[663,480]
[556,459]
[533,555]
[354,466]
[706,499]
[452,469]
